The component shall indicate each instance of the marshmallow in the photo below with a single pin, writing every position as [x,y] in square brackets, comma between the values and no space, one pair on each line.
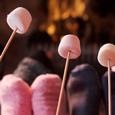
[19,18]
[106,52]
[113,68]
[69,43]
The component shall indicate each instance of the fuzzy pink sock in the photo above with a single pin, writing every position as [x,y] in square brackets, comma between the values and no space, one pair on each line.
[45,94]
[15,96]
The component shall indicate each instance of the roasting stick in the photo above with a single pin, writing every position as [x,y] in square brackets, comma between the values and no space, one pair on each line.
[106,57]
[109,90]
[8,44]
[69,48]
[63,84]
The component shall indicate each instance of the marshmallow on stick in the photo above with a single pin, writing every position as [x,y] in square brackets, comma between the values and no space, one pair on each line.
[106,58]
[69,48]
[107,52]
[19,21]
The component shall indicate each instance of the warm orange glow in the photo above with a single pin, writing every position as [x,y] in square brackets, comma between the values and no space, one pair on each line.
[77,8]
[51,29]
[54,12]
[64,9]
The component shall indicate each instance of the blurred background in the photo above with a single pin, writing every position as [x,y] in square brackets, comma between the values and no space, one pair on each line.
[91,20]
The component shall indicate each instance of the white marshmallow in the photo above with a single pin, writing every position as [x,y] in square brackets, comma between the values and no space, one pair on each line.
[107,52]
[69,43]
[19,18]
[113,68]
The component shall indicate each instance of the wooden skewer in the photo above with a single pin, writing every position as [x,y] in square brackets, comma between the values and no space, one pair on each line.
[8,44]
[63,84]
[109,90]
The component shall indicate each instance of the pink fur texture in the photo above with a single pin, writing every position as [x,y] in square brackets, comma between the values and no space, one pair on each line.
[15,96]
[45,94]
